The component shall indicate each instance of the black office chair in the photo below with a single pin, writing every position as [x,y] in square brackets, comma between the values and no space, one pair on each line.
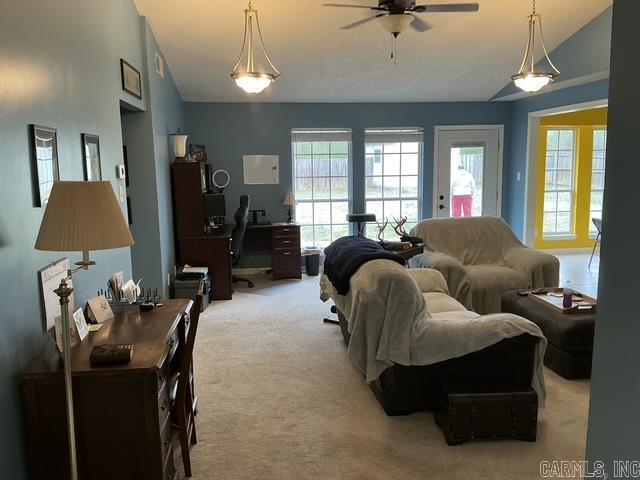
[361,220]
[237,236]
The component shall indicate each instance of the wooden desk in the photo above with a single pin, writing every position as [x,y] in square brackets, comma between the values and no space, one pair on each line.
[213,251]
[282,240]
[122,412]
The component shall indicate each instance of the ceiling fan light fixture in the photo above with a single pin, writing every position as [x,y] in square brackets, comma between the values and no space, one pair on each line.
[254,70]
[396,23]
[527,78]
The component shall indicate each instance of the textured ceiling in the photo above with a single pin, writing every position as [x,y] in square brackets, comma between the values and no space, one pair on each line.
[463,57]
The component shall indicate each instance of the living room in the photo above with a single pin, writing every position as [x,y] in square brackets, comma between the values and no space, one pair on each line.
[147,87]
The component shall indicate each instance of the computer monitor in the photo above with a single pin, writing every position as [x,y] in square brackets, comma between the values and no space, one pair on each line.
[214,206]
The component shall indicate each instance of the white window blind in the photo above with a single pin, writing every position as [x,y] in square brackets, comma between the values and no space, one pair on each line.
[321,183]
[393,169]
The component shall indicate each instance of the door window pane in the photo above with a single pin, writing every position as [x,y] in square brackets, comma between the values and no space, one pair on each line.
[467,174]
[321,184]
[393,159]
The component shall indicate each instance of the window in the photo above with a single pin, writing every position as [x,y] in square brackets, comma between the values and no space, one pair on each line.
[559,183]
[597,175]
[321,172]
[393,163]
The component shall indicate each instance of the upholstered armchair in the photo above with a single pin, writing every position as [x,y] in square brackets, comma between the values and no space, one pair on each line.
[481,258]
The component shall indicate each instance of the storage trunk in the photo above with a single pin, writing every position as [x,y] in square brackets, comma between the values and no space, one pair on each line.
[473,413]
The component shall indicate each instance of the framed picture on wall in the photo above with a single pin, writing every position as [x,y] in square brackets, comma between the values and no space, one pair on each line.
[44,148]
[131,82]
[91,157]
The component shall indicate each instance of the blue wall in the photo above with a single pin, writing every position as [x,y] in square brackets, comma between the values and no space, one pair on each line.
[231,130]
[615,387]
[60,67]
[146,135]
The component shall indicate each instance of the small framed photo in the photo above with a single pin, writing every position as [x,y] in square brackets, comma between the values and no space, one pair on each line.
[91,155]
[44,148]
[197,153]
[131,82]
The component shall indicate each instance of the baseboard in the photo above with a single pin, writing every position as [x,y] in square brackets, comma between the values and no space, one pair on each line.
[568,251]
[256,271]
[249,271]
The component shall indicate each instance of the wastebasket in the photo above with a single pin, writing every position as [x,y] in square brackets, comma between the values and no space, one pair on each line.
[312,261]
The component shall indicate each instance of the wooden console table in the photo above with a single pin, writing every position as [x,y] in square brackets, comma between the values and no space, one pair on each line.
[122,412]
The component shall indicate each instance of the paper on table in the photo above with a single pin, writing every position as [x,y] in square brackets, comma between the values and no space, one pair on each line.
[81,324]
[131,290]
[99,309]
[73,334]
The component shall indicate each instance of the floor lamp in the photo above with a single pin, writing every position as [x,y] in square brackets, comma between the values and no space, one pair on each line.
[80,217]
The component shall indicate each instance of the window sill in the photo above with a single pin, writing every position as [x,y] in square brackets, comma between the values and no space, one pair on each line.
[564,236]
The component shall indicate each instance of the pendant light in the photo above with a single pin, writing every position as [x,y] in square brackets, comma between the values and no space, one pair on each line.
[527,78]
[254,71]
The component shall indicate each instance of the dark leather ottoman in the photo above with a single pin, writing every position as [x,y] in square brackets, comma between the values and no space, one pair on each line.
[570,336]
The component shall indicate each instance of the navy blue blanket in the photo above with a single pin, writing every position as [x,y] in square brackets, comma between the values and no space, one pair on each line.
[344,256]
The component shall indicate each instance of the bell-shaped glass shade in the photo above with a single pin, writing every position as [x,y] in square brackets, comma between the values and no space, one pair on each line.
[253,83]
[396,23]
[254,71]
[532,82]
[179,141]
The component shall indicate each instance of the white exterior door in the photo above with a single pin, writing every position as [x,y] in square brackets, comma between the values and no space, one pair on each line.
[467,171]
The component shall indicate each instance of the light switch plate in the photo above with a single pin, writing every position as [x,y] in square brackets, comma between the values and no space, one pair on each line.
[121,173]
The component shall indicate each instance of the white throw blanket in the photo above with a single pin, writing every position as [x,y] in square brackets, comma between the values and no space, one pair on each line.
[390,322]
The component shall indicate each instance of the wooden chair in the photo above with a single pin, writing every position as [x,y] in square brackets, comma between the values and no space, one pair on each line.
[183,399]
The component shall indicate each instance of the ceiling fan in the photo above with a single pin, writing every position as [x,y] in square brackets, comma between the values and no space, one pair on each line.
[397,15]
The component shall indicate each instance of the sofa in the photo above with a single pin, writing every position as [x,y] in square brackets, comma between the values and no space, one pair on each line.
[481,258]
[410,338]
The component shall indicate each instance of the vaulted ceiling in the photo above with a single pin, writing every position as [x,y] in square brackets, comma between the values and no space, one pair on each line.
[463,57]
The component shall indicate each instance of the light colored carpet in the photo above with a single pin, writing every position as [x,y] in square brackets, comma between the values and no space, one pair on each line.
[280,399]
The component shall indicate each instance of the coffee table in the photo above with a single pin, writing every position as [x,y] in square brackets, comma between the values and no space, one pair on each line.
[569,335]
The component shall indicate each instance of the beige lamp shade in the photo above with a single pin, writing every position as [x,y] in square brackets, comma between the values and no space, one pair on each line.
[179,142]
[289,200]
[83,216]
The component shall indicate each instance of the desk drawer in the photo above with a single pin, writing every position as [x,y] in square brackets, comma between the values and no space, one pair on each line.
[166,439]
[287,265]
[285,232]
[164,405]
[286,242]
[172,347]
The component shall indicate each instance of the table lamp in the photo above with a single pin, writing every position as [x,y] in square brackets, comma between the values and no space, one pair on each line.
[80,217]
[289,201]
[179,143]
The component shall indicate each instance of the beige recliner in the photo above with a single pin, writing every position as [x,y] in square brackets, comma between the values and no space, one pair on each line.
[481,258]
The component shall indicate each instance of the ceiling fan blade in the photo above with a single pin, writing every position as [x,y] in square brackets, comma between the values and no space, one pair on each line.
[361,22]
[447,7]
[351,6]
[419,25]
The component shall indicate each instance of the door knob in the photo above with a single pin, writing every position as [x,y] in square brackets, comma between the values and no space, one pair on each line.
[441,207]
[441,197]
